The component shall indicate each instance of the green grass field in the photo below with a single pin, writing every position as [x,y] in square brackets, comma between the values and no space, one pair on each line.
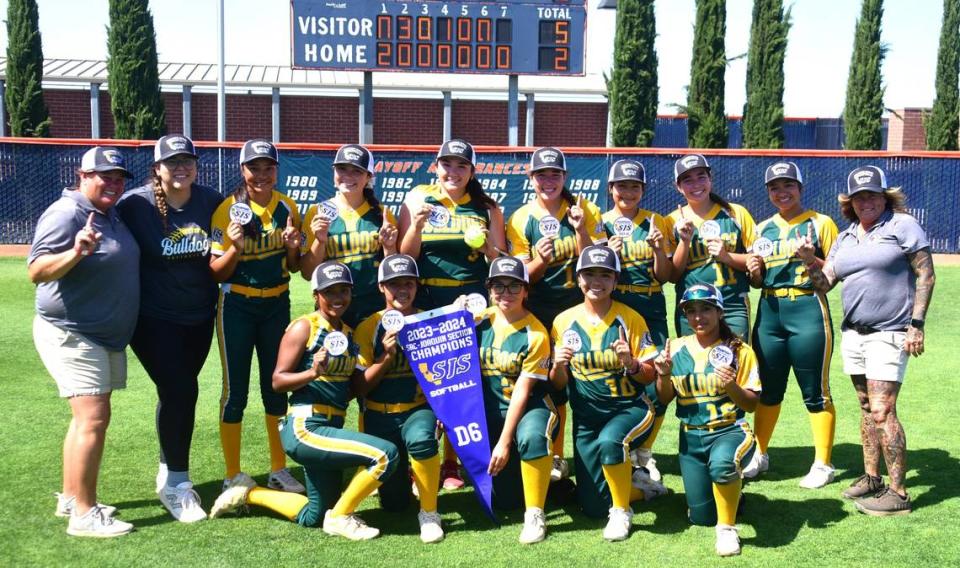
[781,524]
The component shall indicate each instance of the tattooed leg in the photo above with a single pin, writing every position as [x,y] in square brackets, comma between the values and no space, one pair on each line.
[893,441]
[868,431]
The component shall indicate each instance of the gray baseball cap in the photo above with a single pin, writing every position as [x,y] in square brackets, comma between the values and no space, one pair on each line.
[508,267]
[104,159]
[627,170]
[866,178]
[258,148]
[330,273]
[173,145]
[783,170]
[547,158]
[397,266]
[598,256]
[354,155]
[687,163]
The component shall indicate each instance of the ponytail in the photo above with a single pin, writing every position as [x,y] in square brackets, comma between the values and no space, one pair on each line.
[477,195]
[240,195]
[371,198]
[567,196]
[721,202]
[729,337]
[161,198]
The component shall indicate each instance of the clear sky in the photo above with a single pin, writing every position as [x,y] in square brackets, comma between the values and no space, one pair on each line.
[818,55]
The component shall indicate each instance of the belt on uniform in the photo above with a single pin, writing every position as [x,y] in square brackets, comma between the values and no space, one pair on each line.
[391,407]
[634,289]
[708,427]
[308,410]
[791,293]
[446,282]
[251,292]
[867,330]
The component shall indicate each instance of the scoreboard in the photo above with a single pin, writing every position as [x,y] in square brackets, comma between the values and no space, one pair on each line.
[513,37]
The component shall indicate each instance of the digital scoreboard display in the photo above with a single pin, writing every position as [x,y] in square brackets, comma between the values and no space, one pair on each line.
[527,37]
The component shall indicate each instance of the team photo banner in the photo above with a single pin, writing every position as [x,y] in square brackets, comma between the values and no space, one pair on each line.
[441,346]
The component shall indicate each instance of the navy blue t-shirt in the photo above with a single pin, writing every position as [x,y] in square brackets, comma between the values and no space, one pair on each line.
[175,280]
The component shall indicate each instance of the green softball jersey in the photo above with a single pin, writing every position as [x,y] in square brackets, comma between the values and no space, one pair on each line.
[263,262]
[784,269]
[598,386]
[523,232]
[701,399]
[510,351]
[353,238]
[637,256]
[737,231]
[444,258]
[333,386]
[398,384]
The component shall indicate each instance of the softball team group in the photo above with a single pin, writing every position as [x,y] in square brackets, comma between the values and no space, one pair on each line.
[576,318]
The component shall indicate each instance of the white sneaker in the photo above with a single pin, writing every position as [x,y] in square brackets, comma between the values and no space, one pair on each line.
[759,463]
[283,480]
[651,489]
[643,458]
[182,502]
[161,476]
[819,475]
[65,507]
[348,526]
[430,528]
[534,526]
[97,525]
[728,541]
[234,496]
[560,469]
[618,524]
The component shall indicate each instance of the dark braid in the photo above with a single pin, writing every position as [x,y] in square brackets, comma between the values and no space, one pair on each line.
[371,198]
[721,202]
[567,196]
[161,198]
[730,338]
[240,195]
[477,195]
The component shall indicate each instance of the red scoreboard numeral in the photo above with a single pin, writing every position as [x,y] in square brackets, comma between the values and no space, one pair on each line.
[424,28]
[562,31]
[384,27]
[503,57]
[404,27]
[444,56]
[424,55]
[384,55]
[463,56]
[464,29]
[484,30]
[404,55]
[484,56]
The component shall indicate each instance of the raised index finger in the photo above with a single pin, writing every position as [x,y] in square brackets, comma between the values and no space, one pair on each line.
[623,335]
[810,232]
[89,224]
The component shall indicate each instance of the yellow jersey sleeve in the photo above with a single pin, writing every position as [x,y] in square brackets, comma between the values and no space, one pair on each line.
[670,222]
[826,233]
[748,373]
[537,362]
[309,237]
[661,223]
[519,246]
[292,209]
[388,216]
[365,335]
[593,217]
[641,342]
[748,228]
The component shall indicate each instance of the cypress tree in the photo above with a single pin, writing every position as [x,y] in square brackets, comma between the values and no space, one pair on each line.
[763,109]
[24,95]
[633,88]
[138,110]
[707,121]
[864,107]
[944,121]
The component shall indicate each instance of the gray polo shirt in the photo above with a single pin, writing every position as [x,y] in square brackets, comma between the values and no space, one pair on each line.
[878,283]
[100,296]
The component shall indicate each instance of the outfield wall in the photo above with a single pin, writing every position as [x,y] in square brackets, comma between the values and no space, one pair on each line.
[33,173]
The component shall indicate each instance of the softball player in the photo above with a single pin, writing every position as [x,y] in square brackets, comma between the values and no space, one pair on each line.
[548,234]
[396,409]
[434,222]
[317,365]
[514,360]
[713,375]
[717,257]
[253,251]
[170,218]
[603,348]
[793,327]
[637,235]
[357,231]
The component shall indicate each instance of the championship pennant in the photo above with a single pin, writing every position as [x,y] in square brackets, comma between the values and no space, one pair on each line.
[441,346]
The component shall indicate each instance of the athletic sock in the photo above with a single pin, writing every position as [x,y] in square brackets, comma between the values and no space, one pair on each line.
[449,454]
[535,474]
[618,478]
[287,504]
[362,485]
[230,441]
[765,420]
[426,474]
[561,429]
[823,424]
[278,459]
[727,496]
[175,478]
[657,423]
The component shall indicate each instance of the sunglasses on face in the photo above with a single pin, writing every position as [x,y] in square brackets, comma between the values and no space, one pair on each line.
[513,287]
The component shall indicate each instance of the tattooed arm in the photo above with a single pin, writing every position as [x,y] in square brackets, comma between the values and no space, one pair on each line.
[921,262]
[822,275]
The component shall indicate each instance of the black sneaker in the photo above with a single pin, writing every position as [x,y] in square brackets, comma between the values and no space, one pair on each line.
[863,486]
[886,502]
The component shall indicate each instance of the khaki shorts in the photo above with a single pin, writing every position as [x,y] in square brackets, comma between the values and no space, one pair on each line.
[880,356]
[79,366]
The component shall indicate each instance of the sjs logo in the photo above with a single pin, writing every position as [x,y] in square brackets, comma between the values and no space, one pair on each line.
[690,161]
[445,369]
[864,177]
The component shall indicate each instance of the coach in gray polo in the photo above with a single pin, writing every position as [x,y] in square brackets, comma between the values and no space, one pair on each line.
[883,259]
